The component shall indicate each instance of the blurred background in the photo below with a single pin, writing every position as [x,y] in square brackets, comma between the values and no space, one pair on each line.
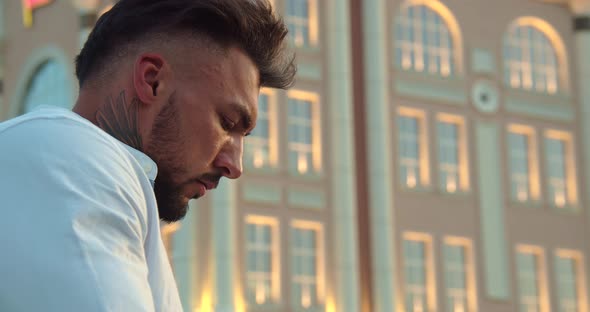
[432,156]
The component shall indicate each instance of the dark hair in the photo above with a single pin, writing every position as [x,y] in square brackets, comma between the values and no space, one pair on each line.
[248,24]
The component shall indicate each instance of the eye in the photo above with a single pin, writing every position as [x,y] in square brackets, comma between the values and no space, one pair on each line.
[227,124]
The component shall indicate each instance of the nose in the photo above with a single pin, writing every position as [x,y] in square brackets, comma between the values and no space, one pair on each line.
[229,159]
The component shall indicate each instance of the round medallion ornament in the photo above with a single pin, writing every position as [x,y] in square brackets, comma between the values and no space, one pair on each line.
[485,97]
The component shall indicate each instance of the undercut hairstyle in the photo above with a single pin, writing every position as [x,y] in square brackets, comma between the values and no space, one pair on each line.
[249,25]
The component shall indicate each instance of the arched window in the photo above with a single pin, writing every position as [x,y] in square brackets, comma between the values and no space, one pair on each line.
[426,37]
[531,59]
[49,85]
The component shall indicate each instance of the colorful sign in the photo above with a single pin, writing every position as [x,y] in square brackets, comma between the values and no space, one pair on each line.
[28,7]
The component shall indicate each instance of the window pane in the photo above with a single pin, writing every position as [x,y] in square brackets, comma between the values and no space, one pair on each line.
[448,153]
[409,149]
[530,60]
[304,259]
[455,277]
[567,284]
[556,167]
[528,282]
[423,41]
[298,22]
[301,133]
[415,275]
[258,263]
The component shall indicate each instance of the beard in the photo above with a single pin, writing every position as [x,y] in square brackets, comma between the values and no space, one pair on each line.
[165,146]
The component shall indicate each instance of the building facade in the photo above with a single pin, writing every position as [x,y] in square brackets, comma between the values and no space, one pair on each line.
[433,155]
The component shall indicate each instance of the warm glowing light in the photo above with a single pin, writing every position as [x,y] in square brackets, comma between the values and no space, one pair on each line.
[302,165]
[305,297]
[330,305]
[527,80]
[206,302]
[419,60]
[514,78]
[560,198]
[459,306]
[260,293]
[411,179]
[522,194]
[418,306]
[451,184]
[258,158]
[551,85]
[445,67]
[406,59]
[299,38]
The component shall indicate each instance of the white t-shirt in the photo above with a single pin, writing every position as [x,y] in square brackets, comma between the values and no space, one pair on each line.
[79,225]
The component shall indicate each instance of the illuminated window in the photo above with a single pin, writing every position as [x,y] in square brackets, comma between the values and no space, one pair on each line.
[530,266]
[418,273]
[301,19]
[530,60]
[452,153]
[262,263]
[49,86]
[459,275]
[570,281]
[307,264]
[304,132]
[559,154]
[524,176]
[413,157]
[423,41]
[167,233]
[261,145]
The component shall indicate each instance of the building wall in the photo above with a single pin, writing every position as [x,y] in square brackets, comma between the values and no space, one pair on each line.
[362,208]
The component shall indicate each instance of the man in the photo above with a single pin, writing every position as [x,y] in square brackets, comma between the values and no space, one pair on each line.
[168,91]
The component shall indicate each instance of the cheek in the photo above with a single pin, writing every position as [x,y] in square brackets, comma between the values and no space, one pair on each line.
[204,143]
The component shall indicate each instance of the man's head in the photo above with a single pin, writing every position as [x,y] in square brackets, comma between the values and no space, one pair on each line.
[179,81]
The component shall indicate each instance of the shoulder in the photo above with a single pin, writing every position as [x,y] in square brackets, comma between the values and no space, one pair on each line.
[65,157]
[51,135]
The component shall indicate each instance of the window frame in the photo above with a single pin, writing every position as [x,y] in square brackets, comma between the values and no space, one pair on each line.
[316,132]
[318,228]
[423,162]
[275,274]
[463,183]
[273,134]
[429,273]
[541,275]
[571,197]
[534,183]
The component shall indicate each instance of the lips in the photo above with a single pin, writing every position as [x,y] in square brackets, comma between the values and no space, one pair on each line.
[208,184]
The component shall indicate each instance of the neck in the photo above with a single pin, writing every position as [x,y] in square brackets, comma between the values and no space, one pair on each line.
[116,114]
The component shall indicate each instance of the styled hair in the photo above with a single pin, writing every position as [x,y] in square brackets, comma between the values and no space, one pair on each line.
[249,25]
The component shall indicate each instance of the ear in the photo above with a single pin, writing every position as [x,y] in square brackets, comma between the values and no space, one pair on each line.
[151,76]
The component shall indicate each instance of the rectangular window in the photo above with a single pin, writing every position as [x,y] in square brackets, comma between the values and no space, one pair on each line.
[261,145]
[262,264]
[301,18]
[452,153]
[304,132]
[570,281]
[459,275]
[418,272]
[561,174]
[413,153]
[524,172]
[307,264]
[532,287]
